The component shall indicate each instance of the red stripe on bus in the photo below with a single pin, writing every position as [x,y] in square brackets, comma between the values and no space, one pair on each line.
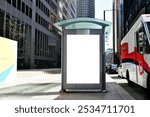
[136,56]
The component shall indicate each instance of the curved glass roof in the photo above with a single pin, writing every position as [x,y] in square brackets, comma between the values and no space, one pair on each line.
[83,23]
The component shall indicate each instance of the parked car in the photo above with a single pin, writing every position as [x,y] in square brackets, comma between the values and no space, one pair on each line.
[112,68]
[120,71]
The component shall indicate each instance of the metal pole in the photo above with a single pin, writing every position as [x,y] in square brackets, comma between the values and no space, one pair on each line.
[104,15]
[114,32]
[103,78]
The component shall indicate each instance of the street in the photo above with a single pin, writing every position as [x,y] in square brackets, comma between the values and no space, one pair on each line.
[135,91]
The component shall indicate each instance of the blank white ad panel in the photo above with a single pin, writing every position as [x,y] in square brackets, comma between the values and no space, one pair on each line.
[83,59]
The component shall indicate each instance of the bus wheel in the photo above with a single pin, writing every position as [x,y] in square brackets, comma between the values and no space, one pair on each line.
[130,83]
[148,86]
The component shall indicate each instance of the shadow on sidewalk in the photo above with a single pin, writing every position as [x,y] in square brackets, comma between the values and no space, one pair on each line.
[111,94]
[52,71]
[28,90]
[29,94]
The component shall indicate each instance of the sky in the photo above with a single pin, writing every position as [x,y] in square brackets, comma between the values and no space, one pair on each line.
[100,6]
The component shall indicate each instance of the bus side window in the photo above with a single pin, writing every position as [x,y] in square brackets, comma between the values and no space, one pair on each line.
[140,39]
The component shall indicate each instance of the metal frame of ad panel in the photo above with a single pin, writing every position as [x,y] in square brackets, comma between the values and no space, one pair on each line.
[68,84]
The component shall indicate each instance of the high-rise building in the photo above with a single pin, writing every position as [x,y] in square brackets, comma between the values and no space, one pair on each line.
[133,10]
[86,8]
[30,23]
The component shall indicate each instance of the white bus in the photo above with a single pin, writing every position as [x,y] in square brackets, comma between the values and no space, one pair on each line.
[135,53]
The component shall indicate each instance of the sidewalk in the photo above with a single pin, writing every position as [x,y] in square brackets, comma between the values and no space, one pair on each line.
[114,92]
[46,84]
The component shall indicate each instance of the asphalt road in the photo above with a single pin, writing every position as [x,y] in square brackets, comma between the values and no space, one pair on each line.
[135,91]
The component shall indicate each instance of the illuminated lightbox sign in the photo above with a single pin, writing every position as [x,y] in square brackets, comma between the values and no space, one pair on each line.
[83,59]
[8,59]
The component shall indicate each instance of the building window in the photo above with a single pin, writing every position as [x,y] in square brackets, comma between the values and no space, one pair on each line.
[42,7]
[14,3]
[9,1]
[19,5]
[23,7]
[30,13]
[7,31]
[2,22]
[27,10]
[41,21]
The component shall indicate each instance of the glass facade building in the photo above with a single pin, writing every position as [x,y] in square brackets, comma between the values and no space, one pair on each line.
[86,8]
[30,23]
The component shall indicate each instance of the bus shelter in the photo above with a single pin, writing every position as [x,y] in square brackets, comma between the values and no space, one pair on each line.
[83,53]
